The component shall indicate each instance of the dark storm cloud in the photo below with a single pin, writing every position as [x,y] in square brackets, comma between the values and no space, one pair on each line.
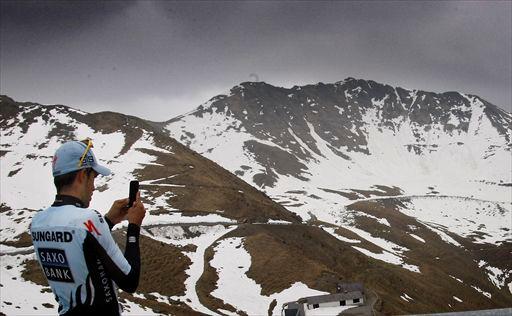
[37,21]
[169,56]
[71,12]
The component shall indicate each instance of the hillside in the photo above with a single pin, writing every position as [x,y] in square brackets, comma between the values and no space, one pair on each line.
[213,244]
[177,185]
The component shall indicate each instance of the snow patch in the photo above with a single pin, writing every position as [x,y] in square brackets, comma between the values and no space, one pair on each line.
[495,275]
[332,231]
[483,221]
[389,258]
[406,297]
[382,221]
[417,237]
[20,296]
[451,276]
[486,294]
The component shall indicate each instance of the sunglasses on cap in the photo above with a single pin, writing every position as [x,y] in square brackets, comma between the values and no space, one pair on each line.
[88,142]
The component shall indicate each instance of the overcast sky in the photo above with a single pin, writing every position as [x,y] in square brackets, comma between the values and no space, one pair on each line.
[159,59]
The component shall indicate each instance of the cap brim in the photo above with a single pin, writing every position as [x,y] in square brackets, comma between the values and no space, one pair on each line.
[104,171]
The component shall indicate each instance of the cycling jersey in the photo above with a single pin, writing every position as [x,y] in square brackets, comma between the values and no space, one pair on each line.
[81,260]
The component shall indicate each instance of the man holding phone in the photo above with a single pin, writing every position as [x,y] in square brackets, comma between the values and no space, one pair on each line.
[73,243]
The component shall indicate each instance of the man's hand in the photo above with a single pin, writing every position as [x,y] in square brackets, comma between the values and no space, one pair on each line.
[137,212]
[118,211]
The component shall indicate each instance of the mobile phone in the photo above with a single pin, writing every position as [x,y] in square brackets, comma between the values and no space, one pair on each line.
[134,188]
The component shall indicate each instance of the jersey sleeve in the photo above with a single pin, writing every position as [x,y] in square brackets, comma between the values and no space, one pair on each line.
[123,269]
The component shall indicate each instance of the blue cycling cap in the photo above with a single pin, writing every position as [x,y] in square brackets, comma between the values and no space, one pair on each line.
[73,156]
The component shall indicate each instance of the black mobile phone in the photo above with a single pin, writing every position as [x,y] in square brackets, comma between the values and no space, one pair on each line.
[134,188]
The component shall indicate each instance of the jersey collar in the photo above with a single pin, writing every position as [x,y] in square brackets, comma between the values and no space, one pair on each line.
[61,200]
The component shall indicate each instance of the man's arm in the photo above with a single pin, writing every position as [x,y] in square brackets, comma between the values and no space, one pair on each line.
[124,270]
[132,251]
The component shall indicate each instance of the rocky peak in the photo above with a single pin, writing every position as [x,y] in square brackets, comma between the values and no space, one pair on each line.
[349,102]
[291,125]
[419,106]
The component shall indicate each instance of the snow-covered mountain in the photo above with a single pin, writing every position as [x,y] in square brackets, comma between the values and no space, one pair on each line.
[317,148]
[213,244]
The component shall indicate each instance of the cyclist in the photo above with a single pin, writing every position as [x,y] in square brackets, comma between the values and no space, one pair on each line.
[73,243]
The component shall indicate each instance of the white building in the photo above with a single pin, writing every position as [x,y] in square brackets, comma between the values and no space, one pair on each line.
[316,305]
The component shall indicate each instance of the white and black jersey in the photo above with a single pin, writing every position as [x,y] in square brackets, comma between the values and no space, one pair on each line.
[81,260]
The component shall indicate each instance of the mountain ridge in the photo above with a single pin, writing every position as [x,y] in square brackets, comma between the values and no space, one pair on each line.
[290,119]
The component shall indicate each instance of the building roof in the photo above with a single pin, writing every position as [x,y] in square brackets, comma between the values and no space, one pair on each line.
[330,298]
[333,297]
[350,287]
[348,291]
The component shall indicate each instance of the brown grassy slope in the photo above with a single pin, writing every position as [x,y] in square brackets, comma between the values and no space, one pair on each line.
[20,241]
[204,187]
[177,309]
[32,272]
[438,260]
[282,255]
[162,266]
